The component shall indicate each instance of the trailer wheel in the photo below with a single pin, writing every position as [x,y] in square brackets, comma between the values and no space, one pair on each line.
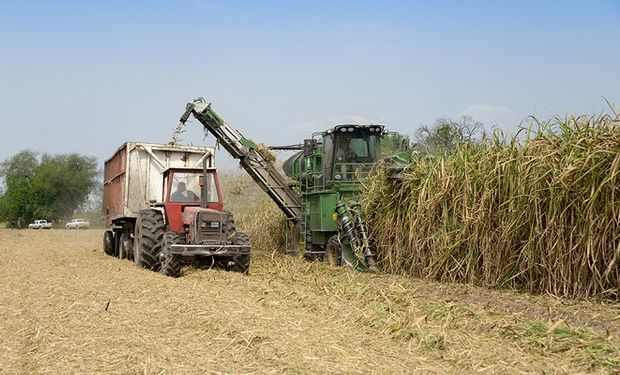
[125,246]
[171,264]
[108,242]
[241,262]
[333,251]
[148,239]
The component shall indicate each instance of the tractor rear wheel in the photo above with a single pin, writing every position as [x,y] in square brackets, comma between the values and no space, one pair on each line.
[108,242]
[148,239]
[241,262]
[171,264]
[333,251]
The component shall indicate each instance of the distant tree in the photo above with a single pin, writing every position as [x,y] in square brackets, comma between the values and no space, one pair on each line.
[446,134]
[19,201]
[52,188]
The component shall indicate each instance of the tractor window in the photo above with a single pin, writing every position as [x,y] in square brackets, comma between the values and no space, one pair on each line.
[211,189]
[185,187]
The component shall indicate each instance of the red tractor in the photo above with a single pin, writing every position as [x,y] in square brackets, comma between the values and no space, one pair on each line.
[163,205]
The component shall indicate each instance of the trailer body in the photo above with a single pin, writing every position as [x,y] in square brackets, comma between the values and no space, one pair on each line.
[133,176]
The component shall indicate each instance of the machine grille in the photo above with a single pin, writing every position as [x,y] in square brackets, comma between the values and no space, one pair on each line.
[212,227]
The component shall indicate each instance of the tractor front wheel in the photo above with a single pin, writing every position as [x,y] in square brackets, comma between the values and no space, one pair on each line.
[171,264]
[241,262]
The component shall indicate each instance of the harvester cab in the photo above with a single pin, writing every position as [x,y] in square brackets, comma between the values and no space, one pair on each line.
[329,171]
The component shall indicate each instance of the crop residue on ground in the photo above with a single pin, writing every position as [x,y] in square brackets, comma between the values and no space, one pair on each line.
[68,308]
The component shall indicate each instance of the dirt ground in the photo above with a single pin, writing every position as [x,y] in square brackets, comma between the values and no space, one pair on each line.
[65,307]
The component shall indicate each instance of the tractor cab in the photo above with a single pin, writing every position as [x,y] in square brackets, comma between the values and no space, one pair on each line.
[187,191]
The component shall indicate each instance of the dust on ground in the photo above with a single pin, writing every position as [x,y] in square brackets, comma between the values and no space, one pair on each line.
[65,307]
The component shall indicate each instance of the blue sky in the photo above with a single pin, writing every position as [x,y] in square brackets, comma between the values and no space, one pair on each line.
[84,77]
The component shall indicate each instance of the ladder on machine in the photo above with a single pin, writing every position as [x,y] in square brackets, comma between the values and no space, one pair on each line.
[249,155]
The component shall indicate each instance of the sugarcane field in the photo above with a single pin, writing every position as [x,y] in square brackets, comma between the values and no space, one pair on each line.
[230,187]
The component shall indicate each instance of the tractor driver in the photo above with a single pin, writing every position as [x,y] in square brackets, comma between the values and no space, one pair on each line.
[183,195]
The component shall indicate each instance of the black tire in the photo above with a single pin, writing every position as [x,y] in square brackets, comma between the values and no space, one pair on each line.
[148,239]
[309,246]
[171,264]
[108,242]
[333,251]
[117,243]
[124,245]
[129,245]
[241,262]
[230,225]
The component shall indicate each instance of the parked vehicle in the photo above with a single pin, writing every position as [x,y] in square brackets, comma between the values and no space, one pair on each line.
[77,224]
[40,224]
[163,209]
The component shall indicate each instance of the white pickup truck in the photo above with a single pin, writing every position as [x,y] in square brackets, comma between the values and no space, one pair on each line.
[40,224]
[77,224]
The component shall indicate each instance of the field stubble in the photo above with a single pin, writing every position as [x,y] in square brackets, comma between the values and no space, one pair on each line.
[68,308]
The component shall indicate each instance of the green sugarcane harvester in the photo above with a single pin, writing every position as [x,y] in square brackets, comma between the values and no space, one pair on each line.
[327,173]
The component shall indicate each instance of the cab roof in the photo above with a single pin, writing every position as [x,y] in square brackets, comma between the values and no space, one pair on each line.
[356,128]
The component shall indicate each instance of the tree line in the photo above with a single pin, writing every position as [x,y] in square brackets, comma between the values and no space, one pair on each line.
[445,134]
[50,187]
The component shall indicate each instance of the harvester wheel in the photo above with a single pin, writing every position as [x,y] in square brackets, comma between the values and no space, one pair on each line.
[148,239]
[333,251]
[241,262]
[108,242]
[171,264]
